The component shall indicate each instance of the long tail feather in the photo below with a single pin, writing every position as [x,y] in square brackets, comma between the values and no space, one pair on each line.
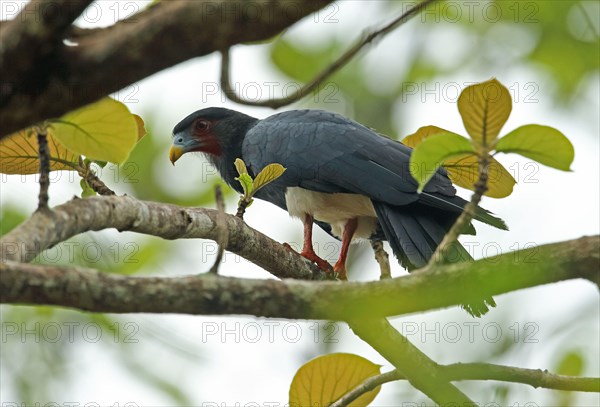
[415,232]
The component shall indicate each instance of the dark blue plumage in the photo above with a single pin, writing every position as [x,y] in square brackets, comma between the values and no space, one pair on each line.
[339,173]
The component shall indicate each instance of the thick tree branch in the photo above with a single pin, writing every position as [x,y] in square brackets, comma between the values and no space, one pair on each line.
[29,42]
[446,285]
[45,230]
[325,73]
[107,60]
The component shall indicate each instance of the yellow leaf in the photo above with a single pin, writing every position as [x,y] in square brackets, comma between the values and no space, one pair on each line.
[104,131]
[19,154]
[240,166]
[141,127]
[463,170]
[268,174]
[325,379]
[423,132]
[484,108]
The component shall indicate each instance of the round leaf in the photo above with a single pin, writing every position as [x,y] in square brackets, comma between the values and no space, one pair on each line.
[19,154]
[484,108]
[433,151]
[543,144]
[325,379]
[104,130]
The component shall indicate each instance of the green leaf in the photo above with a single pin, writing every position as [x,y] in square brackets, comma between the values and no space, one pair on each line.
[104,130]
[325,379]
[484,108]
[433,151]
[240,166]
[246,182]
[543,144]
[19,154]
[463,169]
[268,174]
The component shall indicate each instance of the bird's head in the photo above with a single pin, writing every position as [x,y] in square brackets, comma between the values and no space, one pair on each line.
[214,131]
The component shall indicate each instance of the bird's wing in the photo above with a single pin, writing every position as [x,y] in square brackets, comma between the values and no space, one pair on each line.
[326,152]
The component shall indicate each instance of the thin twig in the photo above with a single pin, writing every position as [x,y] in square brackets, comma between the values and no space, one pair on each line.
[223,231]
[483,371]
[242,205]
[468,213]
[369,384]
[92,179]
[325,73]
[382,258]
[44,156]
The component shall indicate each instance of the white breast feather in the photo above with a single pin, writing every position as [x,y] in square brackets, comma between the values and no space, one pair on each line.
[335,209]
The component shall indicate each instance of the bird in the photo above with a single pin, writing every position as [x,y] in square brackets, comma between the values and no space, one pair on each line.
[339,174]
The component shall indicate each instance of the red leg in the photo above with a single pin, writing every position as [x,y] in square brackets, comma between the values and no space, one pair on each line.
[340,265]
[307,248]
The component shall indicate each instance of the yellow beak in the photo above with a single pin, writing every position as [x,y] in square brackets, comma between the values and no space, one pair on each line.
[175,153]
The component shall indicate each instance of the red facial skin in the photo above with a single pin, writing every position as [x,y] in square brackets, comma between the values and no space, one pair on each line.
[202,130]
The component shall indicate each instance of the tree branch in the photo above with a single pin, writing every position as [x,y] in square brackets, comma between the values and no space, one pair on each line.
[415,366]
[483,371]
[44,157]
[446,285]
[124,213]
[106,60]
[325,73]
[29,42]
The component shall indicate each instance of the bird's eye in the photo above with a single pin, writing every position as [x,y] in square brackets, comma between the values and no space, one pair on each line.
[201,125]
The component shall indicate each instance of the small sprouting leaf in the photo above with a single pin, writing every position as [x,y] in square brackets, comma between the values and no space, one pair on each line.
[268,174]
[99,163]
[240,166]
[463,169]
[141,127]
[19,154]
[543,144]
[325,379]
[433,151]
[484,108]
[104,130]
[86,189]
[246,182]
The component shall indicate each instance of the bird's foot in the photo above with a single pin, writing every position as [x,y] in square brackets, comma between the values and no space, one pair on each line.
[340,271]
[312,256]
